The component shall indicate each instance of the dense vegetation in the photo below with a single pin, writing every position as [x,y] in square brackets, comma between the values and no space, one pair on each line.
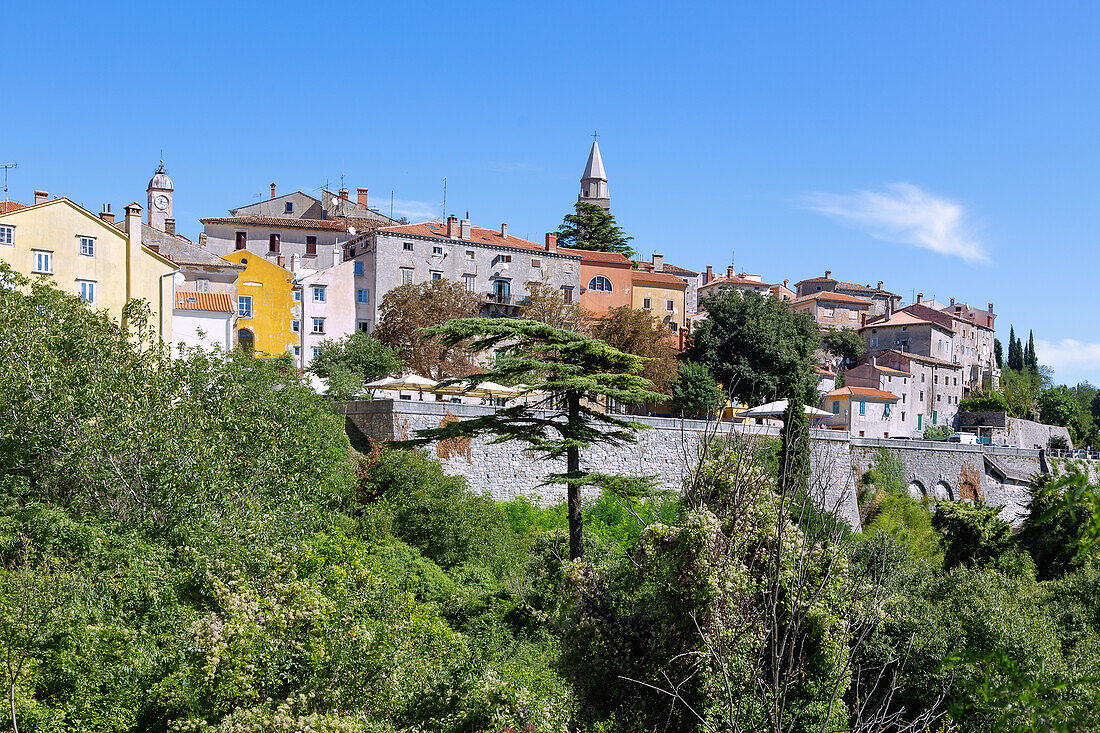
[189,544]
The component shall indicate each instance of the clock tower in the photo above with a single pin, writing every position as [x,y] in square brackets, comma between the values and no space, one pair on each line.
[160,198]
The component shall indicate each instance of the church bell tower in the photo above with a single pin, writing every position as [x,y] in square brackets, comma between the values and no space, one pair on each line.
[160,199]
[594,181]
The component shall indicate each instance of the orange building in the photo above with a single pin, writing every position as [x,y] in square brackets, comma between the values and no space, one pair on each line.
[605,279]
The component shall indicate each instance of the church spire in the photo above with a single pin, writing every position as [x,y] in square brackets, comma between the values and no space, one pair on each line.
[594,181]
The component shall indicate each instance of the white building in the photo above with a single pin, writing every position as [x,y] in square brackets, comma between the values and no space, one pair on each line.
[204,320]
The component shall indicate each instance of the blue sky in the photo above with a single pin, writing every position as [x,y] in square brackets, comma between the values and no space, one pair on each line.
[942,149]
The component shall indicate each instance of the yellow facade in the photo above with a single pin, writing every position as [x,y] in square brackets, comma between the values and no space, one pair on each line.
[269,290]
[85,255]
[646,290]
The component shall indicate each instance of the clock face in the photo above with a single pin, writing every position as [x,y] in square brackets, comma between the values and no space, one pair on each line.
[161,202]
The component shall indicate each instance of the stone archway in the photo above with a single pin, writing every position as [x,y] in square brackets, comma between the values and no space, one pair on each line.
[916,489]
[943,491]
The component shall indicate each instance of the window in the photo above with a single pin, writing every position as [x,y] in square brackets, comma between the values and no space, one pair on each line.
[569,267]
[7,235]
[922,395]
[297,350]
[470,282]
[364,326]
[600,283]
[437,250]
[436,275]
[851,315]
[358,267]
[297,296]
[407,246]
[242,240]
[956,381]
[922,376]
[469,254]
[318,325]
[311,245]
[316,351]
[862,408]
[874,342]
[935,379]
[903,398]
[938,397]
[296,326]
[672,326]
[87,246]
[669,305]
[920,422]
[645,303]
[87,291]
[288,207]
[273,243]
[244,306]
[362,296]
[830,313]
[939,345]
[836,407]
[43,261]
[536,262]
[318,293]
[935,417]
[406,276]
[504,258]
[886,410]
[567,293]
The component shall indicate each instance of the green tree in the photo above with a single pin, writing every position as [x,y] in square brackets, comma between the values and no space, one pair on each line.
[572,373]
[636,331]
[985,402]
[1031,361]
[407,309]
[1015,353]
[756,347]
[972,534]
[1058,406]
[998,353]
[844,344]
[593,228]
[353,361]
[695,392]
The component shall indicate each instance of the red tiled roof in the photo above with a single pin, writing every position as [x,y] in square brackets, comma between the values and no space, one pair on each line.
[276,222]
[891,370]
[735,281]
[862,392]
[591,255]
[478,235]
[668,267]
[903,318]
[662,278]
[926,359]
[9,206]
[835,297]
[825,372]
[195,301]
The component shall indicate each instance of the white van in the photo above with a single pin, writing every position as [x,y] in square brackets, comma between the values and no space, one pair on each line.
[965,438]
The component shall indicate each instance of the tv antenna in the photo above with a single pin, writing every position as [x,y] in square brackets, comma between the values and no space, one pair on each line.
[6,167]
[444,217]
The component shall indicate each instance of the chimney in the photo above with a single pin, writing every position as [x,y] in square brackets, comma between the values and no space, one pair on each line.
[709,276]
[343,193]
[658,263]
[106,214]
[361,193]
[202,240]
[504,231]
[920,297]
[828,274]
[990,307]
[874,361]
[880,284]
[952,301]
[170,226]
[863,319]
[452,227]
[281,260]
[133,244]
[785,283]
[551,241]
[464,225]
[272,190]
[40,196]
[133,226]
[729,272]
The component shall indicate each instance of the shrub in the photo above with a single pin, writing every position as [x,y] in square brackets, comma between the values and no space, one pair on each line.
[972,534]
[985,402]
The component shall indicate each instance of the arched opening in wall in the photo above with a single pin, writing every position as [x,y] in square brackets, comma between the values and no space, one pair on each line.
[916,490]
[246,342]
[943,492]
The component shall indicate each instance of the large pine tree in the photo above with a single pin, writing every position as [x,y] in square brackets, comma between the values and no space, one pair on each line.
[593,228]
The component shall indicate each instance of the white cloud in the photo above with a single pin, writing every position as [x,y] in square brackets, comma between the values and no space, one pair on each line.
[905,214]
[1070,358]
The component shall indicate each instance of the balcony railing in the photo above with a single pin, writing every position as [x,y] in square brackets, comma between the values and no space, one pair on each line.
[500,298]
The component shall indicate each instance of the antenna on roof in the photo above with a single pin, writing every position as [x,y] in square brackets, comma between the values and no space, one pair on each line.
[444,200]
[391,203]
[6,167]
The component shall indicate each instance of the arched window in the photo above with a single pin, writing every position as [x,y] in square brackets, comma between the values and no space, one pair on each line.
[246,342]
[600,283]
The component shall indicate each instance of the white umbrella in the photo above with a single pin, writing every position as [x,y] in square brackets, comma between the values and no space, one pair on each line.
[481,389]
[411,382]
[381,383]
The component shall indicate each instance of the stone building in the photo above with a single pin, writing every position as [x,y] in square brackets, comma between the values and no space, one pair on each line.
[690,277]
[935,386]
[742,281]
[334,303]
[865,412]
[972,339]
[832,309]
[897,382]
[883,302]
[913,333]
[661,294]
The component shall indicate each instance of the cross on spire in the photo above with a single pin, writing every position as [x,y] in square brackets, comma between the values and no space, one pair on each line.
[594,135]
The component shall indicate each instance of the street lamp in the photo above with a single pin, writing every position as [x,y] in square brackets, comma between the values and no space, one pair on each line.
[177,280]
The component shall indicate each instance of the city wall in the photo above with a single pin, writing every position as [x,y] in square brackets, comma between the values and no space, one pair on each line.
[670,447]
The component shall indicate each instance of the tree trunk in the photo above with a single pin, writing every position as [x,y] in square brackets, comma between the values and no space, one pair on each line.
[11,698]
[573,468]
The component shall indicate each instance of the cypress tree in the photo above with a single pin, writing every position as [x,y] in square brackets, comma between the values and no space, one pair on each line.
[1032,360]
[1015,360]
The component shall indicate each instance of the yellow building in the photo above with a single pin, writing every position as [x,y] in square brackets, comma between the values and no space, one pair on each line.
[660,293]
[89,256]
[266,306]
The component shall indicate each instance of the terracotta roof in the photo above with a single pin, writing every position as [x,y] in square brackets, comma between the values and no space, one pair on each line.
[929,314]
[188,300]
[891,370]
[7,206]
[862,392]
[436,229]
[735,281]
[668,267]
[276,222]
[903,318]
[922,358]
[847,286]
[835,297]
[825,372]
[977,316]
[662,278]
[591,255]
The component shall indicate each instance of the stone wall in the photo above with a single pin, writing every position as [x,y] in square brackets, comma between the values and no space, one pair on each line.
[669,450]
